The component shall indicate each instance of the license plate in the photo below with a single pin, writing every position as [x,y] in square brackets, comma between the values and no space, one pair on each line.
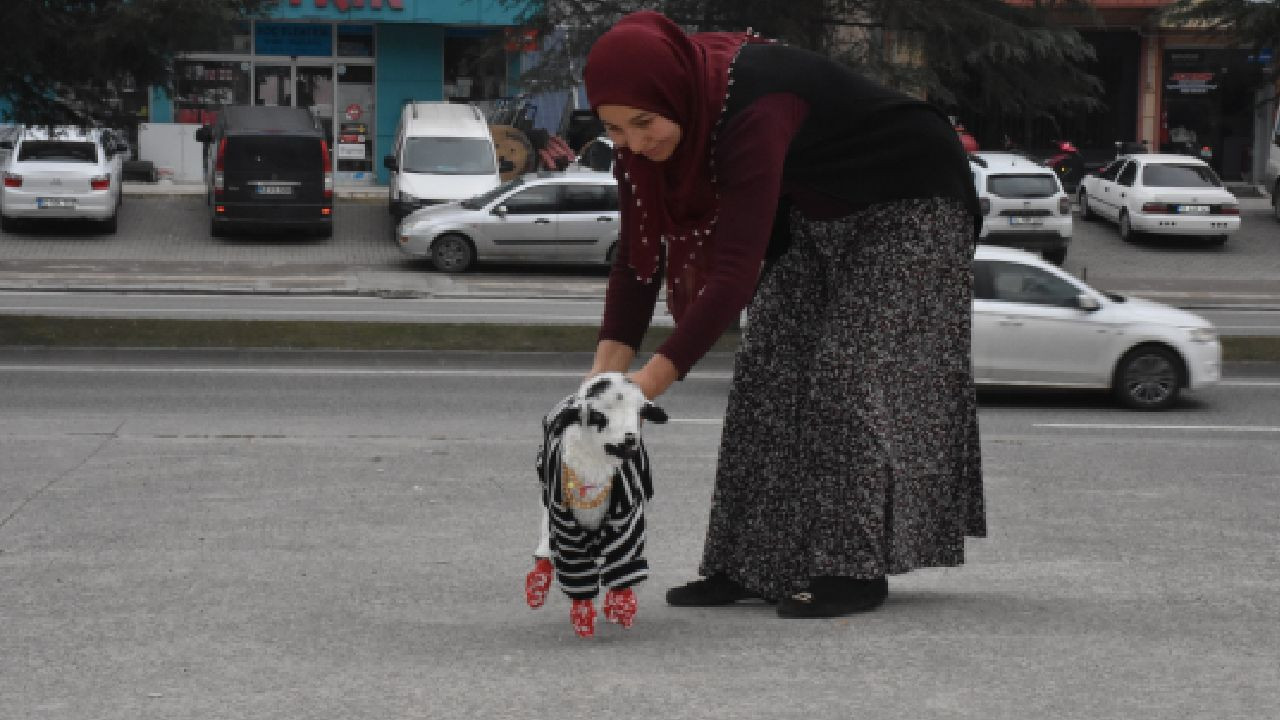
[274,190]
[55,202]
[1193,209]
[1026,221]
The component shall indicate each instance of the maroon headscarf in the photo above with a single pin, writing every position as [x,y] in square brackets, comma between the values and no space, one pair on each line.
[646,61]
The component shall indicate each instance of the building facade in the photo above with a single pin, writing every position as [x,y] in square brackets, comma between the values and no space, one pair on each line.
[352,63]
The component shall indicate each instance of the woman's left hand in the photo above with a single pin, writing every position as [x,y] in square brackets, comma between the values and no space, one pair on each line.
[655,377]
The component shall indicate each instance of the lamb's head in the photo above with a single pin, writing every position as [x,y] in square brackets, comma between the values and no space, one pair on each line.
[610,408]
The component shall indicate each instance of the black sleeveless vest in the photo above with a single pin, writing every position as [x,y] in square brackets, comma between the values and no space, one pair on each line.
[860,143]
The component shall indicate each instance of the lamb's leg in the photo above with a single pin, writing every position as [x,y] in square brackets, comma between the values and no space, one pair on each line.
[620,606]
[538,582]
[583,617]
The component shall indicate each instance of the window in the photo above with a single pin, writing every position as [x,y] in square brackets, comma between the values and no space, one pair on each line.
[1128,175]
[1112,170]
[58,151]
[1179,176]
[534,200]
[589,198]
[1014,282]
[355,40]
[273,154]
[201,87]
[1023,186]
[449,156]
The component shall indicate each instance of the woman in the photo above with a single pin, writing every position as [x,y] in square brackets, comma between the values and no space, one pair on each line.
[850,444]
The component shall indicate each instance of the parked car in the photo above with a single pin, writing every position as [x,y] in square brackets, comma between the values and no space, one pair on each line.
[267,168]
[558,217]
[1036,325]
[443,152]
[61,173]
[1023,204]
[1161,194]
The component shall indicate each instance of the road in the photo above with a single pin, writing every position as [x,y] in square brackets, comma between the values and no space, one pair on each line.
[197,536]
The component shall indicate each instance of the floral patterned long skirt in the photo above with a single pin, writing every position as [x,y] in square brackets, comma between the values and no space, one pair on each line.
[850,442]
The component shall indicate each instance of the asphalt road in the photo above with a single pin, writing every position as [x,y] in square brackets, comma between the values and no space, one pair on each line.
[164,245]
[192,536]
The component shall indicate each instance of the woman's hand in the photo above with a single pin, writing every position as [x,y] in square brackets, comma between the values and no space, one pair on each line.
[655,377]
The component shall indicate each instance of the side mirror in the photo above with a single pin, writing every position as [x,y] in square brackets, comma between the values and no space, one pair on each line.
[506,166]
[1087,302]
[204,134]
[389,162]
[500,211]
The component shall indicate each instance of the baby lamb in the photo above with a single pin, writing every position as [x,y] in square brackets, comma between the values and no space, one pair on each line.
[595,481]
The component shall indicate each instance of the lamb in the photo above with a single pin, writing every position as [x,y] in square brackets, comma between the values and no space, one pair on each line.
[595,481]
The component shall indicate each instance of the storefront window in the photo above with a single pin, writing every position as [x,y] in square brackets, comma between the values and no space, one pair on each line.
[355,106]
[202,86]
[293,39]
[474,66]
[355,40]
[1208,111]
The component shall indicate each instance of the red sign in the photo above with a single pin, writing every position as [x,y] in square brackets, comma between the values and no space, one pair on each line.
[353,112]
[345,5]
[520,39]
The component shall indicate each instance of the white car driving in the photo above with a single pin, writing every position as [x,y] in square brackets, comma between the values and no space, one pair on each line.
[62,173]
[1036,325]
[1023,204]
[1174,195]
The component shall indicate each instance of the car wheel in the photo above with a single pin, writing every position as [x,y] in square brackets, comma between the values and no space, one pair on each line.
[8,224]
[1086,213]
[216,229]
[1148,377]
[452,253]
[324,231]
[1056,256]
[1127,232]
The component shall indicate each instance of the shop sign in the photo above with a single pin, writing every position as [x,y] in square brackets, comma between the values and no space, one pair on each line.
[345,5]
[354,111]
[1191,83]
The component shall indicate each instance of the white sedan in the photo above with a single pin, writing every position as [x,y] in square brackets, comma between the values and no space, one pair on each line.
[1036,325]
[1160,195]
[62,173]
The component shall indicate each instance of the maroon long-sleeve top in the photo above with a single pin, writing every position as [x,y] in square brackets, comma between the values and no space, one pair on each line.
[750,155]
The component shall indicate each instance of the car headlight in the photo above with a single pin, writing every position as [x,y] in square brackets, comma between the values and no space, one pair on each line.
[1202,335]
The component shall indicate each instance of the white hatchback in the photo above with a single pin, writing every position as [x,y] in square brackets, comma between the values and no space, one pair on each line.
[556,217]
[1023,204]
[1162,195]
[63,173]
[1036,325]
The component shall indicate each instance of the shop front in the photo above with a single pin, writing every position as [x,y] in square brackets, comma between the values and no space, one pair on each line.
[352,64]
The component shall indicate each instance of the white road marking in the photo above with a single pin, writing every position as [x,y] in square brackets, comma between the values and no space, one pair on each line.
[1196,428]
[375,372]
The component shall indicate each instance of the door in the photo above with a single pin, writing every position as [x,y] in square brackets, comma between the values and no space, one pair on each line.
[526,229]
[588,221]
[273,85]
[313,90]
[1030,330]
[1107,200]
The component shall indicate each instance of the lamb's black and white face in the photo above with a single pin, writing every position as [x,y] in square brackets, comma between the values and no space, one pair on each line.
[612,407]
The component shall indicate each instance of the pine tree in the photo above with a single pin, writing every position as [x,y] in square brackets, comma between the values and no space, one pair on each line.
[65,60]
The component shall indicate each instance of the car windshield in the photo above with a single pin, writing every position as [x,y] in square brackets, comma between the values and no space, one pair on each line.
[480,201]
[449,156]
[1022,186]
[1154,175]
[58,151]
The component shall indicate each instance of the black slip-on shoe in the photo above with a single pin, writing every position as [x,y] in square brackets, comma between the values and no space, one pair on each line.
[709,592]
[835,597]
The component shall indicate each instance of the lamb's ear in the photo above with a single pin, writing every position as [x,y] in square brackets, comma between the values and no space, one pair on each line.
[653,413]
[563,419]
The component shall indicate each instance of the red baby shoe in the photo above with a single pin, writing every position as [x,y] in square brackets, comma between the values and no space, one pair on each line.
[620,607]
[583,617]
[538,582]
